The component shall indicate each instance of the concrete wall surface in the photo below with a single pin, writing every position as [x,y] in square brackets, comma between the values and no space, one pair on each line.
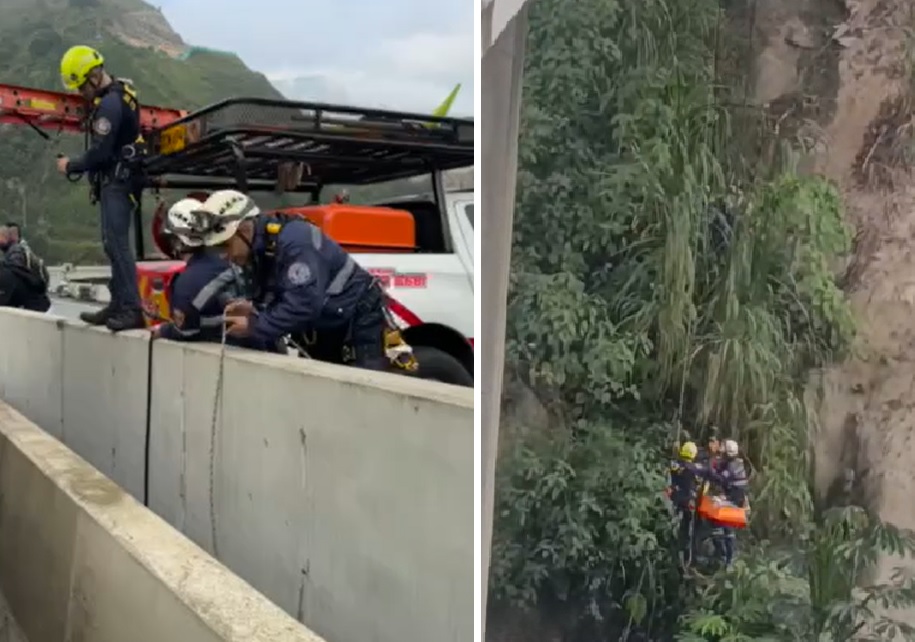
[105,398]
[344,496]
[85,386]
[82,560]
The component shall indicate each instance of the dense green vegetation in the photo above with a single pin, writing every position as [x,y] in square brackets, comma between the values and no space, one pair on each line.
[58,218]
[665,280]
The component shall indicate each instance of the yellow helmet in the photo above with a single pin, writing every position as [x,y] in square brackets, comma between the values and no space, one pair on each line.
[76,65]
[688,451]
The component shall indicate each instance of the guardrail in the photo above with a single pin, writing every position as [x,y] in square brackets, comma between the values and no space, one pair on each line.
[79,272]
[83,283]
[345,496]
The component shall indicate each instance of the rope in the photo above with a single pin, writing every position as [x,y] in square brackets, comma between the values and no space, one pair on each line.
[213,433]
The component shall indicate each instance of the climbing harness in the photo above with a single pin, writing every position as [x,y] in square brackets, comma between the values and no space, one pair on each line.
[217,397]
[303,353]
[398,351]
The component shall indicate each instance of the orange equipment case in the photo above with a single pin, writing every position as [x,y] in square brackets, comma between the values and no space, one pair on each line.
[722,513]
[363,229]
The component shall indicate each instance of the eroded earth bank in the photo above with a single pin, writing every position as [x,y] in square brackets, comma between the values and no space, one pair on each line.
[846,68]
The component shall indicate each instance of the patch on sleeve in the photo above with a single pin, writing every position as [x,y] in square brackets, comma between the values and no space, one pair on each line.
[298,273]
[178,318]
[102,126]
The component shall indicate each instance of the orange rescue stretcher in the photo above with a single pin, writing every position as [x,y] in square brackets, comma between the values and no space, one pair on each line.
[721,512]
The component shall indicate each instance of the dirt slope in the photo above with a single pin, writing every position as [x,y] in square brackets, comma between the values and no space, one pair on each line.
[866,407]
[147,27]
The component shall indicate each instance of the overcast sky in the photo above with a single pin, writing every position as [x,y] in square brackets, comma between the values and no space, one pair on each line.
[401,54]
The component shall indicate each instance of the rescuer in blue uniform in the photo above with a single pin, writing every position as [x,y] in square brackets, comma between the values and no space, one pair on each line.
[115,142]
[209,281]
[305,283]
[686,477]
[731,475]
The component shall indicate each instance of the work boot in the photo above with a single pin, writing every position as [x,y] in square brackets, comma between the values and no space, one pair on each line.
[126,320]
[98,317]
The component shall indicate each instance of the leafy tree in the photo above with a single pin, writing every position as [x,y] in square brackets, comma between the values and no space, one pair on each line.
[577,531]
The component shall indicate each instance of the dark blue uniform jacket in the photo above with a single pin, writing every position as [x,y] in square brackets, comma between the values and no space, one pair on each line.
[685,479]
[115,123]
[308,282]
[731,475]
[199,297]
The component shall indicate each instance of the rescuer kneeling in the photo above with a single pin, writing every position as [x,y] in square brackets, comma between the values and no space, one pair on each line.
[209,281]
[306,284]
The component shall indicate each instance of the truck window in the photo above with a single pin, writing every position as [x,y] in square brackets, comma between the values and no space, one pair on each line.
[468,210]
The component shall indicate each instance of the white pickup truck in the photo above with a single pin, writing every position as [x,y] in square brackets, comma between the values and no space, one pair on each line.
[432,290]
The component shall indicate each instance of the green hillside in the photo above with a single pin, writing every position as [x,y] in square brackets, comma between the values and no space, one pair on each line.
[56,215]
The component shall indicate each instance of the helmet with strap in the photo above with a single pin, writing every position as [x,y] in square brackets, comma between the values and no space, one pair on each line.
[76,65]
[187,220]
[688,451]
[227,209]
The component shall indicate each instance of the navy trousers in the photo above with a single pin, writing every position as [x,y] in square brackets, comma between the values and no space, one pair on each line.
[117,207]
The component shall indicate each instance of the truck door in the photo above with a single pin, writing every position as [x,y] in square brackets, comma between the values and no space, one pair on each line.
[462,223]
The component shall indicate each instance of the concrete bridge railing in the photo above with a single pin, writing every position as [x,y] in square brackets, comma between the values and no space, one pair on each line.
[82,560]
[345,496]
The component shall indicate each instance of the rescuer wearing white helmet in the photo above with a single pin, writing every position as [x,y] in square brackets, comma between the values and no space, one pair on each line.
[208,282]
[183,222]
[314,285]
[229,210]
[732,476]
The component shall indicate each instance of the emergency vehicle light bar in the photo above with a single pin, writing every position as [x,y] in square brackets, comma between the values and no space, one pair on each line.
[43,109]
[249,138]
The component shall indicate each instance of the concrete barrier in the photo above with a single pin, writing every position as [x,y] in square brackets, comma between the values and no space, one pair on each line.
[85,386]
[345,496]
[82,560]
[31,367]
[105,401]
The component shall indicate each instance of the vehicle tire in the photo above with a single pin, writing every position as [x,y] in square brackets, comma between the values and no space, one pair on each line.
[438,365]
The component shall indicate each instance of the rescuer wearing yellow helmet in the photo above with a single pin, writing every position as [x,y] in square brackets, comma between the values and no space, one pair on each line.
[685,480]
[115,143]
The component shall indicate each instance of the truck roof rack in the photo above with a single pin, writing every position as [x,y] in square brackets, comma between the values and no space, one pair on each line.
[250,139]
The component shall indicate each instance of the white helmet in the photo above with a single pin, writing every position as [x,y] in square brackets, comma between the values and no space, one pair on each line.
[227,209]
[184,220]
[730,448]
